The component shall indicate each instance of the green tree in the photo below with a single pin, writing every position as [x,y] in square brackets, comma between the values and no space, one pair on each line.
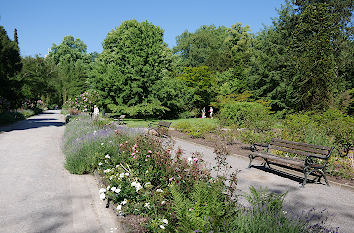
[39,78]
[10,65]
[73,63]
[16,39]
[200,80]
[134,58]
[206,47]
[319,25]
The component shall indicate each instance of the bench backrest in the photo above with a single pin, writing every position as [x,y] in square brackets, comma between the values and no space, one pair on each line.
[122,117]
[164,124]
[320,152]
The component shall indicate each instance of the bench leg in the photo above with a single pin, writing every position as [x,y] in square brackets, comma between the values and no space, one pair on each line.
[251,158]
[306,174]
[324,176]
[266,163]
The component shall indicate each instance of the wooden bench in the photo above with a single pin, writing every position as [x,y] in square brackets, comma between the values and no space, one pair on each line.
[314,160]
[120,120]
[161,128]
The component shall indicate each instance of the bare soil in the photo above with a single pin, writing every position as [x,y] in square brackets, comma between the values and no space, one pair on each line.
[237,147]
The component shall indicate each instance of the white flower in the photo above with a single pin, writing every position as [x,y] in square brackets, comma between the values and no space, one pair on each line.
[159,190]
[102,144]
[119,207]
[107,170]
[124,202]
[102,190]
[121,175]
[108,187]
[107,156]
[190,159]
[162,226]
[163,202]
[147,205]
[117,190]
[165,221]
[133,184]
[113,189]
[102,196]
[126,174]
[111,178]
[117,166]
[99,164]
[138,187]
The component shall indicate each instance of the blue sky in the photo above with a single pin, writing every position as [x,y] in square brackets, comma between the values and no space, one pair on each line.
[40,23]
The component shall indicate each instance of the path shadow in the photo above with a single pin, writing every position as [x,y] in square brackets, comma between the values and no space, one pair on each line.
[31,124]
[287,175]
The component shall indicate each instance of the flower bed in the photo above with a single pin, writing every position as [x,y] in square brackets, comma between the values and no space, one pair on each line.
[170,193]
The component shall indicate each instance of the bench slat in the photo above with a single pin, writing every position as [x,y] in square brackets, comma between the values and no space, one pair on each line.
[302,144]
[296,152]
[284,160]
[300,147]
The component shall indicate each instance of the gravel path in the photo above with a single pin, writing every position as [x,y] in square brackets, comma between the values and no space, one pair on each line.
[37,194]
[339,202]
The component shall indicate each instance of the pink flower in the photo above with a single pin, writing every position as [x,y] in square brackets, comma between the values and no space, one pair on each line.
[149,151]
[133,154]
[195,159]
[147,156]
[121,144]
[171,179]
[134,157]
[135,146]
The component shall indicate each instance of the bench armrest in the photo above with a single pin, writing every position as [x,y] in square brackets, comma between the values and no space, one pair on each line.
[255,145]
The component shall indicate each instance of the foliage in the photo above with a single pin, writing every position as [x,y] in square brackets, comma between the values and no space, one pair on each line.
[174,95]
[206,47]
[267,215]
[251,115]
[200,81]
[134,58]
[10,117]
[39,79]
[72,61]
[203,210]
[195,129]
[10,65]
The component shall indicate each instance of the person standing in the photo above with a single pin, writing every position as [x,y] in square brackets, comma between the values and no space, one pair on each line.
[203,113]
[96,111]
[211,110]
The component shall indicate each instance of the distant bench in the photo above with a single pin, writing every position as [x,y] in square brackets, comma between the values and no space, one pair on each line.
[160,128]
[315,157]
[120,120]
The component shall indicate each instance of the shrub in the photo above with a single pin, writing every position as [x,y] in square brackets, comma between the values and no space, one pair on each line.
[195,129]
[203,210]
[10,117]
[251,115]
[266,214]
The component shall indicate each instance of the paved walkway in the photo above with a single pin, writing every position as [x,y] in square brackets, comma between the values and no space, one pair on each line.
[337,201]
[37,194]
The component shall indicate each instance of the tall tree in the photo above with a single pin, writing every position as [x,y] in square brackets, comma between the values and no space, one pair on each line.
[134,58]
[319,26]
[73,62]
[207,46]
[39,77]
[10,64]
[16,38]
